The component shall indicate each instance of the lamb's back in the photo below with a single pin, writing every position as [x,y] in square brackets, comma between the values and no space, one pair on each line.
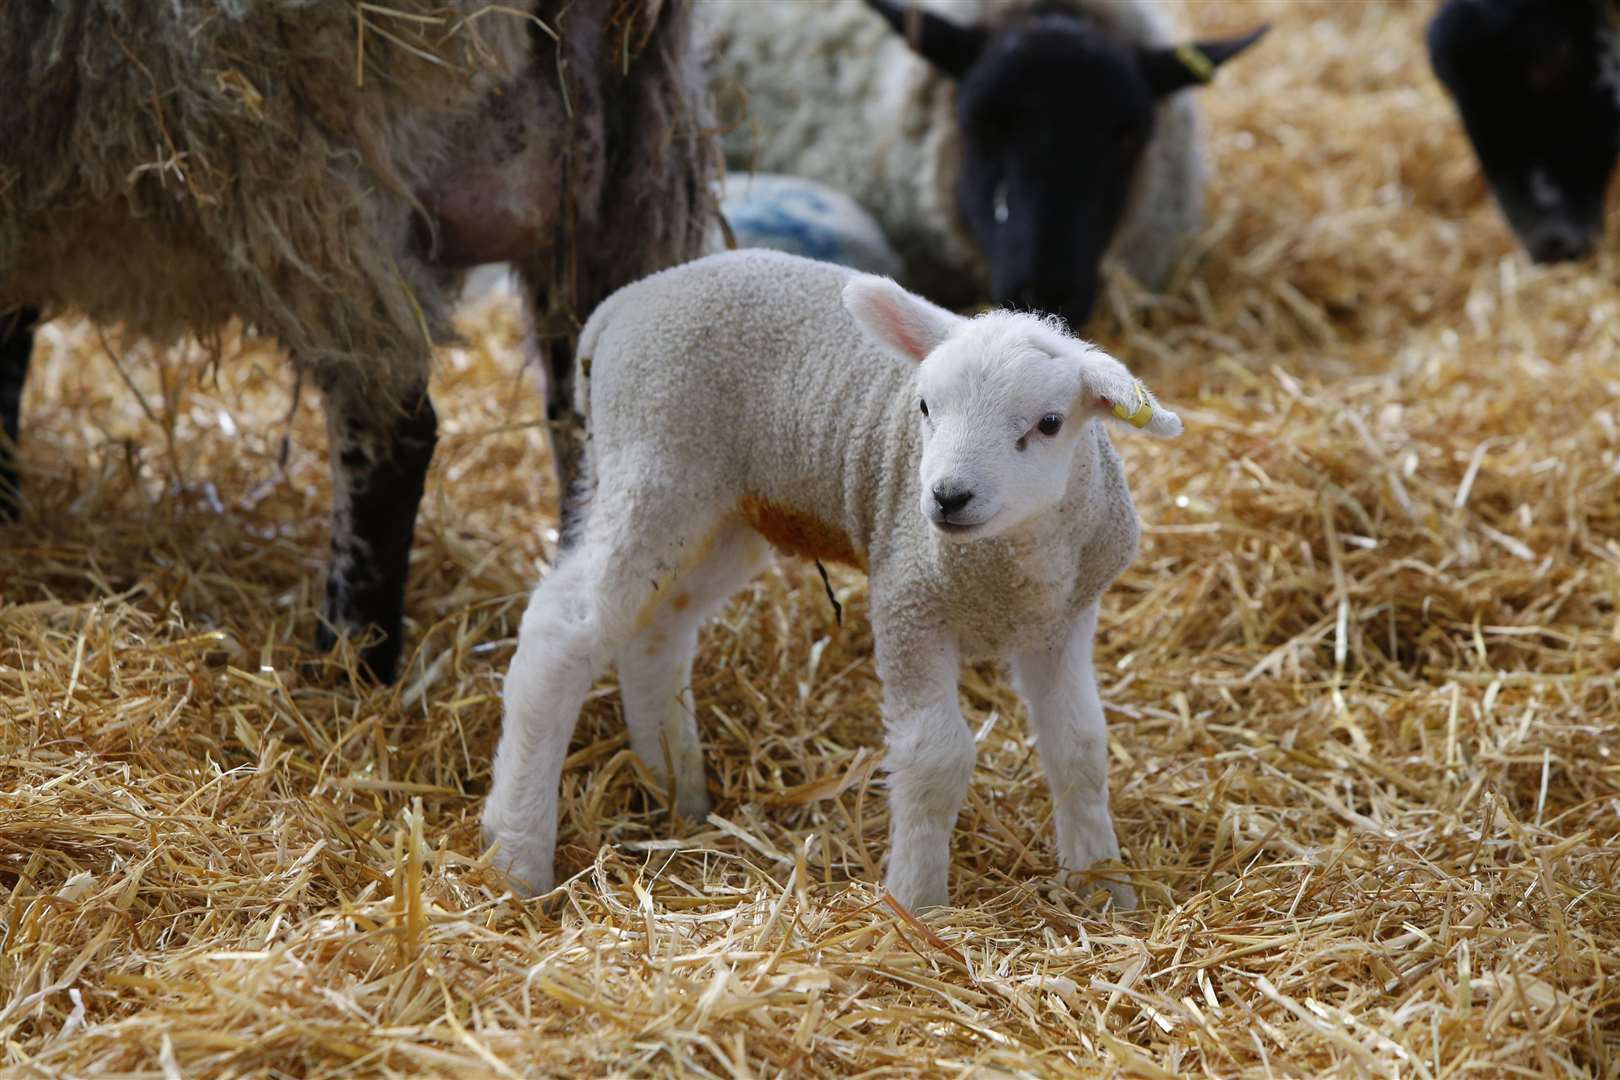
[743,371]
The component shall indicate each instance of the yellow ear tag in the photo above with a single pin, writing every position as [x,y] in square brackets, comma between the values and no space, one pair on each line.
[1143,413]
[1193,59]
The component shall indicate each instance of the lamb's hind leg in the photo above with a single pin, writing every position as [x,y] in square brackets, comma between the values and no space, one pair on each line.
[655,668]
[1059,687]
[16,347]
[580,616]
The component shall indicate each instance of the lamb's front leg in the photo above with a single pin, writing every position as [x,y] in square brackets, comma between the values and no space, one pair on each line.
[1059,687]
[929,760]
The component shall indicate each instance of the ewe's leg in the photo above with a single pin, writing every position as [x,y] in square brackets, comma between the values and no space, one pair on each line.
[1059,687]
[16,348]
[567,429]
[655,668]
[929,760]
[379,465]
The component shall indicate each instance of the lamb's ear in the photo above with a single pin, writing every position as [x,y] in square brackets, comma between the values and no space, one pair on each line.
[949,46]
[897,321]
[1170,69]
[1107,388]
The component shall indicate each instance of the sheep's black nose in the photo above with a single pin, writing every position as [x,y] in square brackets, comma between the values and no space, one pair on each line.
[951,500]
[1555,245]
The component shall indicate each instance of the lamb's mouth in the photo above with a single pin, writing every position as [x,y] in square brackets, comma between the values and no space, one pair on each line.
[958,528]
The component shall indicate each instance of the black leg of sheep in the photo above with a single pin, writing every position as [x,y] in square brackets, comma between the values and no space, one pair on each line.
[379,467]
[16,348]
[567,430]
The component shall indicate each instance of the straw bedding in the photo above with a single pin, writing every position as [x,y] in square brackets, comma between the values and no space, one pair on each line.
[1361,684]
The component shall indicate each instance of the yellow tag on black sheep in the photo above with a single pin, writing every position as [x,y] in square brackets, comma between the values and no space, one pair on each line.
[1194,60]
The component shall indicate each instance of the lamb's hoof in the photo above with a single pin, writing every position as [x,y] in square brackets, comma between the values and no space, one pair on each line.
[1100,879]
[917,900]
[1124,895]
[693,806]
[528,872]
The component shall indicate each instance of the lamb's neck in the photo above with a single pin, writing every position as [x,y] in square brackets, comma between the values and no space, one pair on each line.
[879,454]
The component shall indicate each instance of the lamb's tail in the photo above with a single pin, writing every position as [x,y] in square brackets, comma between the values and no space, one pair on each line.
[578,498]
[586,350]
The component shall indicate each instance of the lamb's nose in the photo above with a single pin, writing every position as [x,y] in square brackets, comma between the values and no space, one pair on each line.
[950,500]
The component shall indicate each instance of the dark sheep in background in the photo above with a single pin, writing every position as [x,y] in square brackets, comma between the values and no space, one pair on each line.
[1538,85]
[1005,146]
[325,172]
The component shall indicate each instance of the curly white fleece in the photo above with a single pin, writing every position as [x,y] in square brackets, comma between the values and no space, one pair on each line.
[755,395]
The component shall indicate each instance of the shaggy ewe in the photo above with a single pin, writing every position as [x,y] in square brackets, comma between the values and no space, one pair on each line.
[802,217]
[1538,85]
[754,397]
[1020,144]
[324,172]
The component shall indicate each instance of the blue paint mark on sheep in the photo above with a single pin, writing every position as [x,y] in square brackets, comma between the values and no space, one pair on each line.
[787,232]
[803,217]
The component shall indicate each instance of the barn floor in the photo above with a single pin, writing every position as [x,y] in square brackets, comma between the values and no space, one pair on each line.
[1362,686]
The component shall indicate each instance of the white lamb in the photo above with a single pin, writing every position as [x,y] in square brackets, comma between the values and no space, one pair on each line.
[752,399]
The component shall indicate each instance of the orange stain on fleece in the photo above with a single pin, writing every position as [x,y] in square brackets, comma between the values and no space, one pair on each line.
[797,532]
[693,558]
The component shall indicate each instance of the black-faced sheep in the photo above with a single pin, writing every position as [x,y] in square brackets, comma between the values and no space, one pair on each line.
[755,397]
[324,171]
[1004,153]
[1538,85]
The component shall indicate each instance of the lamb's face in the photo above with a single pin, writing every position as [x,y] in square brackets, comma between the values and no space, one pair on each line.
[1003,401]
[1001,413]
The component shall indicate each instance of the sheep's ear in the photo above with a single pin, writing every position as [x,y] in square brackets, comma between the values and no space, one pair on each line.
[898,321]
[949,46]
[1171,69]
[1107,388]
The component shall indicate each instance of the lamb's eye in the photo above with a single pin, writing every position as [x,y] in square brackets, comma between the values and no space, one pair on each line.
[1049,424]
[924,405]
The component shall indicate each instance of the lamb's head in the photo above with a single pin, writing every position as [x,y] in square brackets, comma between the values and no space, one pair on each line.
[1003,402]
[1053,115]
[1537,85]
